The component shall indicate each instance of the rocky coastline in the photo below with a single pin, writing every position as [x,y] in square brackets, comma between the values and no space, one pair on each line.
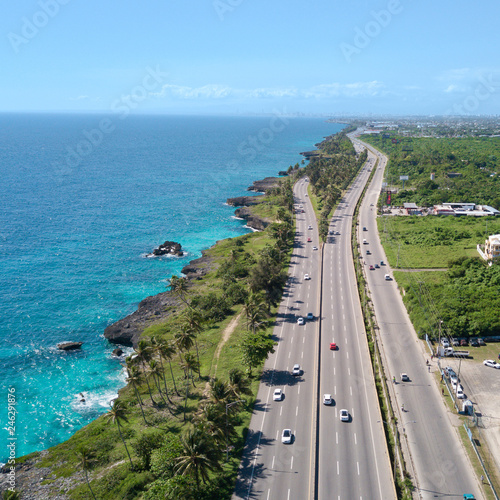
[157,308]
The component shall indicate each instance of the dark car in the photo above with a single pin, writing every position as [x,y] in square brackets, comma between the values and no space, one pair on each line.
[474,343]
[464,342]
[481,342]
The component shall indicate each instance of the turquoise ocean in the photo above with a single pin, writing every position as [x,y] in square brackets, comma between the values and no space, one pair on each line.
[83,199]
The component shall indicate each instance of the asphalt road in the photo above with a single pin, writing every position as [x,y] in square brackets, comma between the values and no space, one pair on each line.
[441,466]
[351,460]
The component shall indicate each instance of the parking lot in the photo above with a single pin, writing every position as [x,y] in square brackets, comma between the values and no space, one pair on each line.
[482,386]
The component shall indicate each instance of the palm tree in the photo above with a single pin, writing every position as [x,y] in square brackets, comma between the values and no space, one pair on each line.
[179,287]
[190,364]
[116,414]
[211,420]
[134,377]
[199,456]
[219,391]
[143,352]
[167,351]
[238,384]
[184,339]
[155,372]
[158,347]
[192,324]
[85,460]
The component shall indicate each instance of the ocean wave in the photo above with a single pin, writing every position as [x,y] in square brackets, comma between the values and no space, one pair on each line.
[252,228]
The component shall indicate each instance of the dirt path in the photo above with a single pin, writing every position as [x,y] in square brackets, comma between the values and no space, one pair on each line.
[225,337]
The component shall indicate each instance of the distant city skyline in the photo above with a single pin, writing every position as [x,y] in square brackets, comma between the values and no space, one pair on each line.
[251,57]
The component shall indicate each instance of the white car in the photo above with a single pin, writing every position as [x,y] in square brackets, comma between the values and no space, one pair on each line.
[300,320]
[460,392]
[404,377]
[344,416]
[315,248]
[491,364]
[387,277]
[307,277]
[277,395]
[327,399]
[296,370]
[309,227]
[286,436]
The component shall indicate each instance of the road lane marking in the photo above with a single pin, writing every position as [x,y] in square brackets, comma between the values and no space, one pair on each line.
[291,464]
[338,468]
[298,389]
[289,354]
[281,410]
[296,411]
[272,467]
[337,437]
[355,439]
[268,493]
[302,356]
[350,389]
[357,463]
[347,355]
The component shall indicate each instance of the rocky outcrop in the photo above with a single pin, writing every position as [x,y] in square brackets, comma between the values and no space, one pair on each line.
[283,173]
[117,352]
[264,185]
[167,248]
[310,154]
[253,221]
[244,201]
[69,346]
[155,309]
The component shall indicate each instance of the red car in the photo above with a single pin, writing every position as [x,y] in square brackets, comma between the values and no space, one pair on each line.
[371,268]
[309,240]
[333,346]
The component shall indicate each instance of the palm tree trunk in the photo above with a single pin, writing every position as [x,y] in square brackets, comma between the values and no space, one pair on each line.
[88,484]
[164,380]
[198,357]
[140,403]
[124,444]
[173,378]
[147,382]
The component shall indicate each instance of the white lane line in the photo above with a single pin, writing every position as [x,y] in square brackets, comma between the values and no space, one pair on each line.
[289,354]
[337,437]
[357,463]
[303,339]
[281,410]
[347,355]
[268,493]
[350,389]
[334,371]
[345,326]
[302,355]
[288,495]
[298,389]
[296,411]
[338,468]
[291,464]
[277,435]
[355,439]
[272,467]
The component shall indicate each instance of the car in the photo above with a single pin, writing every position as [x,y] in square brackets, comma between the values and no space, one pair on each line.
[344,416]
[310,316]
[404,377]
[368,252]
[277,395]
[300,320]
[481,342]
[309,227]
[491,364]
[332,232]
[301,206]
[474,343]
[315,248]
[460,392]
[303,211]
[296,371]
[387,277]
[382,263]
[337,233]
[327,399]
[377,266]
[333,346]
[464,343]
[364,228]
[286,436]
[372,268]
[365,242]
[455,342]
[453,379]
[445,343]
[449,371]
[307,277]
[309,240]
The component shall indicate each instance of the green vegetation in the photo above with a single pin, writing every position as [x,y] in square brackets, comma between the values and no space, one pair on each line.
[330,174]
[476,160]
[178,429]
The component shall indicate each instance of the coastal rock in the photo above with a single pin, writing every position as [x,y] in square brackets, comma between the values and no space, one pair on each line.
[117,352]
[155,309]
[310,154]
[264,185]
[167,248]
[253,221]
[244,201]
[69,346]
[283,173]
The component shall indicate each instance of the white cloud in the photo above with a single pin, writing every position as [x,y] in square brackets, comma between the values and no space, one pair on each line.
[184,92]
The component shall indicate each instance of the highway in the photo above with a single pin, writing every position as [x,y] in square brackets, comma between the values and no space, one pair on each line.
[327,458]
[441,465]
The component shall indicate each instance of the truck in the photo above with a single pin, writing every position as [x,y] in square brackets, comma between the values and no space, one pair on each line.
[450,352]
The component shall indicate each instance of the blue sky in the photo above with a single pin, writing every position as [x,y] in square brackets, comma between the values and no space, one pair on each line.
[251,56]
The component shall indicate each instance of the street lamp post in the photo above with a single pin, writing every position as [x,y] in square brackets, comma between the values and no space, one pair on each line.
[228,405]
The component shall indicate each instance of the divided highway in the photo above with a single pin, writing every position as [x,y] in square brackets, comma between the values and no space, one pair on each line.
[328,458]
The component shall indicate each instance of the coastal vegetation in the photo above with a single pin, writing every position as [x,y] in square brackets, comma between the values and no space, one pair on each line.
[177,430]
[330,173]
